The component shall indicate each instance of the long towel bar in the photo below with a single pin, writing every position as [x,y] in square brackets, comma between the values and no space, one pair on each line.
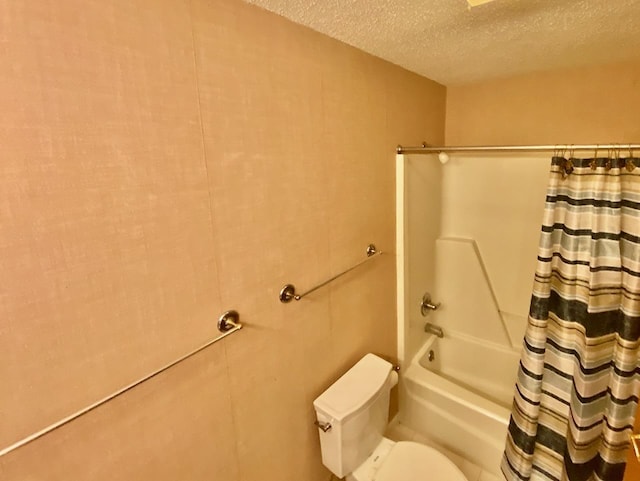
[227,324]
[288,292]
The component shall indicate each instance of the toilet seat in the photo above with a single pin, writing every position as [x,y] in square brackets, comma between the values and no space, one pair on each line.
[409,461]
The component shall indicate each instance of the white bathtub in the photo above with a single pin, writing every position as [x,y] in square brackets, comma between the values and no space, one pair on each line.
[462,398]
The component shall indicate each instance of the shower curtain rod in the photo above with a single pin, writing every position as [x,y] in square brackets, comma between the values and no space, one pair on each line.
[428,149]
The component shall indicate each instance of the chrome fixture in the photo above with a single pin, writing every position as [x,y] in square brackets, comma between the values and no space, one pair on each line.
[324,426]
[427,306]
[428,149]
[433,329]
[288,291]
[229,320]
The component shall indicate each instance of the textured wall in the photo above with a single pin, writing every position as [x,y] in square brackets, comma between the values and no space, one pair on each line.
[163,161]
[588,105]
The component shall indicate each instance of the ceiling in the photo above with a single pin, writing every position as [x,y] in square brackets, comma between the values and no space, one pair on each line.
[449,42]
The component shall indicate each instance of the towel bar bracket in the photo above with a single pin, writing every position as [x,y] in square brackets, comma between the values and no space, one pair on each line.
[288,293]
[229,320]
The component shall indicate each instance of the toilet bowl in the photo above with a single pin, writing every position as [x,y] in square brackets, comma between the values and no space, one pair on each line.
[352,415]
[409,461]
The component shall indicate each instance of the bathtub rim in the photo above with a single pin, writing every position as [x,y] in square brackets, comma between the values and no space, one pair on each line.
[446,388]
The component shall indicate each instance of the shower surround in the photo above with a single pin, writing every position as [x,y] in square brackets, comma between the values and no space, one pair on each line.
[468,236]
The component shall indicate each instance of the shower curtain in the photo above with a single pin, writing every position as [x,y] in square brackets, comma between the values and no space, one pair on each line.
[578,381]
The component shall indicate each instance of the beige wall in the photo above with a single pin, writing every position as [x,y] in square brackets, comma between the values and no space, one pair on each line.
[164,161]
[587,105]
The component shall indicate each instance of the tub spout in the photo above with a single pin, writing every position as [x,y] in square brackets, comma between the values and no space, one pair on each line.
[433,329]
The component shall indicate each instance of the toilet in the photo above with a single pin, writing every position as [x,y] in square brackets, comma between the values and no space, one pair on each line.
[352,417]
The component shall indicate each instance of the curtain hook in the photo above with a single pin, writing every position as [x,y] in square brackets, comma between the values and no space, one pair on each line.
[566,166]
[629,164]
[557,154]
[569,166]
[594,161]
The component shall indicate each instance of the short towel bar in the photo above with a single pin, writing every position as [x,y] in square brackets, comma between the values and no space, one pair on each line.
[288,291]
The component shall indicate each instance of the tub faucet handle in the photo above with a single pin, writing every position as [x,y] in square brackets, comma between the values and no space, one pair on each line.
[426,306]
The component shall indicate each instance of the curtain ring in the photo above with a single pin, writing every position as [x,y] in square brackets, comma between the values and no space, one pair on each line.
[629,165]
[594,162]
[568,167]
[558,159]
[557,154]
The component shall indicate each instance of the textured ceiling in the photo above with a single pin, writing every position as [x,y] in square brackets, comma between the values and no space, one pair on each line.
[451,43]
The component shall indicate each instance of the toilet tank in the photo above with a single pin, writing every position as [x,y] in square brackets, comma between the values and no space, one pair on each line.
[357,407]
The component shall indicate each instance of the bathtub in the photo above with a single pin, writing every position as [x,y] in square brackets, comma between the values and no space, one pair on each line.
[461,398]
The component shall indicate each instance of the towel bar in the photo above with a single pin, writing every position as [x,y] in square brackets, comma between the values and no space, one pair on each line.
[288,291]
[227,324]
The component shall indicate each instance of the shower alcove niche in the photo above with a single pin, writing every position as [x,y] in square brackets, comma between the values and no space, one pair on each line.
[467,233]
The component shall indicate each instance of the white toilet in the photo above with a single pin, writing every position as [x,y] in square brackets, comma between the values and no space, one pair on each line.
[352,417]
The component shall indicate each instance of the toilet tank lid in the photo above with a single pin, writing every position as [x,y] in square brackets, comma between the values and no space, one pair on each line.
[357,386]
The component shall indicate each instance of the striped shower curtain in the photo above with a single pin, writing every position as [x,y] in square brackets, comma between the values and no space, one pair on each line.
[578,381]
